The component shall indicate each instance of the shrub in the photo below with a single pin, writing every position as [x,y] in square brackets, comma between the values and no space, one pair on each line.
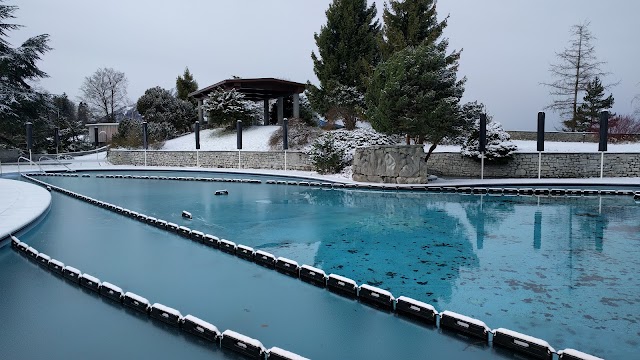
[347,141]
[300,135]
[499,147]
[130,134]
[326,156]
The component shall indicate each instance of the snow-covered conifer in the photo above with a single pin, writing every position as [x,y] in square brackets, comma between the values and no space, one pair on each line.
[498,147]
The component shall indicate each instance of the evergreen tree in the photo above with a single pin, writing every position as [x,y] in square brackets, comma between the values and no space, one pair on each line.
[499,147]
[410,23]
[19,101]
[224,108]
[158,105]
[348,50]
[84,115]
[185,85]
[65,109]
[416,92]
[64,115]
[594,102]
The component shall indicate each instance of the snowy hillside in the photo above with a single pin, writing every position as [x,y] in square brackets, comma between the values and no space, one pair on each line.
[255,138]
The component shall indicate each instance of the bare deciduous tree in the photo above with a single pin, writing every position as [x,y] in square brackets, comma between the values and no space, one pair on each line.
[577,67]
[105,92]
[636,101]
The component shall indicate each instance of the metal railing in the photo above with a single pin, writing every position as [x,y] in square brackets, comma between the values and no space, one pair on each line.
[31,162]
[57,160]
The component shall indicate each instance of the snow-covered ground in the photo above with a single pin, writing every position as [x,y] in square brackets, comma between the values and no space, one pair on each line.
[552,146]
[255,138]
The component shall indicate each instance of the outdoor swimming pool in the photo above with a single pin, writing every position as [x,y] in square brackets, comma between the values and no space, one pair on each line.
[558,268]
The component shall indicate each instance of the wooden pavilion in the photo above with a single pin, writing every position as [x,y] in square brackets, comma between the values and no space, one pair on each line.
[257,89]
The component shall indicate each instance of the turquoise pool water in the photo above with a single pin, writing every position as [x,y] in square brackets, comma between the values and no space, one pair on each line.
[559,268]
[44,316]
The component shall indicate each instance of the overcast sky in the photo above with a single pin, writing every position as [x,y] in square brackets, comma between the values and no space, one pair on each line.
[508,44]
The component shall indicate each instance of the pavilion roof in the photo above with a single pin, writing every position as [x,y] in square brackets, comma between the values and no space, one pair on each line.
[254,89]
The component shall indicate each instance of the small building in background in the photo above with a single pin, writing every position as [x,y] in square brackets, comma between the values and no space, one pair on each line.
[105,132]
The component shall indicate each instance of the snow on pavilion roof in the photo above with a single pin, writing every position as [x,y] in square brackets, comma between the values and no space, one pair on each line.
[254,89]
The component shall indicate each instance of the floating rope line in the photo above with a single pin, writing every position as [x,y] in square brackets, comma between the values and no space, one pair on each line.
[496,191]
[228,339]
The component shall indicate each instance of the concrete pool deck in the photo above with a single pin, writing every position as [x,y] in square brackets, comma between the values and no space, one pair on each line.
[99,163]
[20,204]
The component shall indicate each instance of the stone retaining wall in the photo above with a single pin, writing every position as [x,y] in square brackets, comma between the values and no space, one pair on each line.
[9,155]
[390,164]
[405,164]
[571,136]
[215,159]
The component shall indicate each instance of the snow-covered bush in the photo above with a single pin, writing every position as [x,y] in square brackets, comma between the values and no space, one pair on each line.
[225,107]
[326,156]
[499,146]
[348,140]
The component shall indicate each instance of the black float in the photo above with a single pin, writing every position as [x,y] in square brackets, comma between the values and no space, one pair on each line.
[275,353]
[90,282]
[111,291]
[377,297]
[228,246]
[464,324]
[43,260]
[197,235]
[265,259]
[166,314]
[342,286]
[56,267]
[287,267]
[244,345]
[211,240]
[200,328]
[244,252]
[136,302]
[416,309]
[32,253]
[571,354]
[533,347]
[72,274]
[313,276]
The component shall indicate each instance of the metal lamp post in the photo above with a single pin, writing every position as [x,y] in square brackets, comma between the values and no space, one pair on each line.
[540,145]
[482,142]
[197,132]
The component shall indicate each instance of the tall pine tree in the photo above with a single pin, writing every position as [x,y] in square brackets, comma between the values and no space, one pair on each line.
[19,101]
[185,85]
[416,92]
[64,115]
[348,50]
[84,115]
[409,23]
[588,114]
